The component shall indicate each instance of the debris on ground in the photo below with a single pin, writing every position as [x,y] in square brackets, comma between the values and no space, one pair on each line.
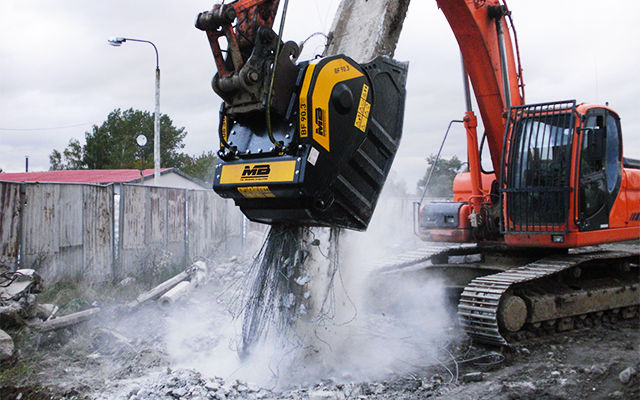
[196,273]
[125,353]
[6,346]
[68,320]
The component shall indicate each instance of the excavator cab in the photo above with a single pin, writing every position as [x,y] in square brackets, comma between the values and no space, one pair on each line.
[562,184]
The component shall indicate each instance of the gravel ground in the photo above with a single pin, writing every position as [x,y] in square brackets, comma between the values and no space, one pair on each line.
[188,352]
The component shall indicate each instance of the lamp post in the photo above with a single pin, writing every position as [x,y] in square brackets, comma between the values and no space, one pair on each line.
[117,41]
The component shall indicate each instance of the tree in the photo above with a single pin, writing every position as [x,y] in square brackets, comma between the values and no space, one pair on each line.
[112,145]
[72,157]
[441,184]
[201,167]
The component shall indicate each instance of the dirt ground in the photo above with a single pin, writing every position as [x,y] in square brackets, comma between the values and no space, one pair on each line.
[128,355]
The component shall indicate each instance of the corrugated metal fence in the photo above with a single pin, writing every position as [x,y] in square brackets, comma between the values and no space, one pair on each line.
[100,233]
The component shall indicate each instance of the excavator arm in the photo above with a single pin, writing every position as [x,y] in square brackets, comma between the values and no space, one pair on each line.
[248,15]
[480,27]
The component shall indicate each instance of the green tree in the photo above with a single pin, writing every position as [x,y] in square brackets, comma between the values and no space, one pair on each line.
[201,166]
[71,157]
[441,184]
[112,145]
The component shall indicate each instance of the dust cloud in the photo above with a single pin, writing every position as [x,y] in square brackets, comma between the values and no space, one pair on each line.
[357,324]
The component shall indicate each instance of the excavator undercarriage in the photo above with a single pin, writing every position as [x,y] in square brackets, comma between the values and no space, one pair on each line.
[504,295]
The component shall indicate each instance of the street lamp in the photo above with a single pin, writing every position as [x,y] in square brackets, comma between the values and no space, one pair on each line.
[117,41]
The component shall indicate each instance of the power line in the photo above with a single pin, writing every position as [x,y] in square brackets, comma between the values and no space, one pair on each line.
[44,129]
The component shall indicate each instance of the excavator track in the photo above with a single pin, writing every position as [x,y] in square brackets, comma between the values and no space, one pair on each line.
[506,307]
[417,256]
[506,297]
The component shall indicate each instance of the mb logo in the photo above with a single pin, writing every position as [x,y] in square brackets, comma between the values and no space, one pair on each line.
[320,130]
[256,171]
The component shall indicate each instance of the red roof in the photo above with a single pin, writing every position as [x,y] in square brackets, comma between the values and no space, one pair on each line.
[78,175]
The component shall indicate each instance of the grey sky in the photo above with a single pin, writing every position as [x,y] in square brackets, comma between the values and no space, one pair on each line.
[58,70]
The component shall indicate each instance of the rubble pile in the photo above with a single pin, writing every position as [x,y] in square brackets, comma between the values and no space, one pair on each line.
[19,306]
[191,385]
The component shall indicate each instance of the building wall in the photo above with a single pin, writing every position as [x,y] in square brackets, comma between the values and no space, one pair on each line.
[173,180]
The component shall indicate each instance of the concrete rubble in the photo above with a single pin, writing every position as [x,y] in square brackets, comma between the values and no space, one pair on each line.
[6,346]
[626,375]
[19,306]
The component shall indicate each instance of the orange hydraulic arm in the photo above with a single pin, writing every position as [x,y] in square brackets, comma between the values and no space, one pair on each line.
[249,14]
[480,27]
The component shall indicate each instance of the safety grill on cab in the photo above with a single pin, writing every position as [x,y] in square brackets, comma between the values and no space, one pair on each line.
[536,167]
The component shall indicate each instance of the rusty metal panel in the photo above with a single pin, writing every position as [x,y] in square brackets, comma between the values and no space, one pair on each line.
[67,261]
[9,222]
[41,227]
[176,215]
[97,232]
[70,211]
[175,225]
[132,231]
[196,205]
[156,216]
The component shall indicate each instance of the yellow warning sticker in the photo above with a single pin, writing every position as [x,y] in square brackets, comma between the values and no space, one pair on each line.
[256,192]
[276,171]
[364,108]
[224,130]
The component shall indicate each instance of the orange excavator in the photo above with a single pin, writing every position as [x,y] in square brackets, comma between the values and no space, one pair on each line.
[312,142]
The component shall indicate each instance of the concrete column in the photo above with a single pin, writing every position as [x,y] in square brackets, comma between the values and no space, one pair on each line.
[364,29]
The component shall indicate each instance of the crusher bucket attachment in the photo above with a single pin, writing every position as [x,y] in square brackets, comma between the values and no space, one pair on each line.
[335,129]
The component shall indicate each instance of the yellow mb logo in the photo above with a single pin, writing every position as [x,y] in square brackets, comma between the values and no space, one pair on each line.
[256,171]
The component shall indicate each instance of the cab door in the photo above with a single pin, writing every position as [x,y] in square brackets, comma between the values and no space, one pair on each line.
[600,170]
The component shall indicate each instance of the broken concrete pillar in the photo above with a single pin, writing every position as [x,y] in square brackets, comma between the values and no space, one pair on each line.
[362,30]
[46,311]
[69,320]
[365,29]
[177,292]
[159,290]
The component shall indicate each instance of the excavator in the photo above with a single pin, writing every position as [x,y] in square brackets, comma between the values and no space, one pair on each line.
[528,246]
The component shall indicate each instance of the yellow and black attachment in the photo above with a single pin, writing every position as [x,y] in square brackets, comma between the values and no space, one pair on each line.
[329,151]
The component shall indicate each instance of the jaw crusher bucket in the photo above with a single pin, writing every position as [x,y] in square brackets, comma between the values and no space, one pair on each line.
[335,129]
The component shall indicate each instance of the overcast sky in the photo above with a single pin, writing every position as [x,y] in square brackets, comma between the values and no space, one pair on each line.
[57,70]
